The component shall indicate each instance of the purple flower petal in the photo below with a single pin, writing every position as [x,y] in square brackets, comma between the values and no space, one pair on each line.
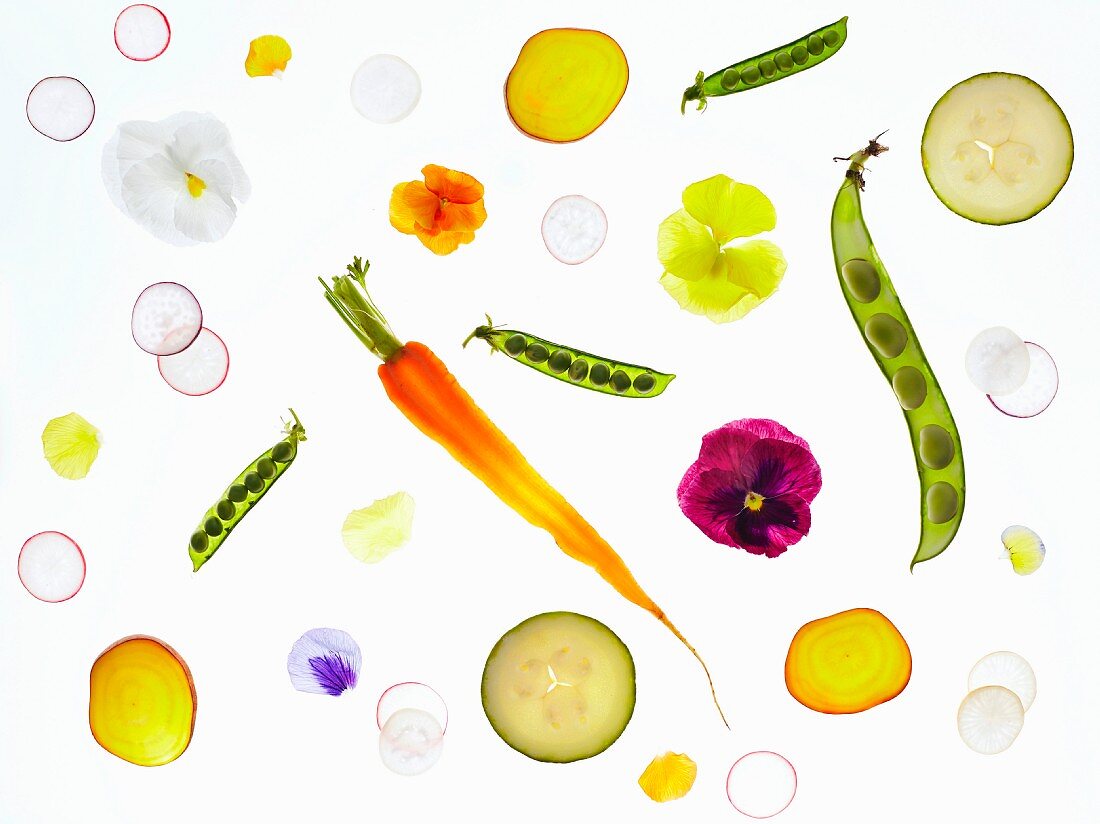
[324,661]
[780,522]
[710,498]
[773,467]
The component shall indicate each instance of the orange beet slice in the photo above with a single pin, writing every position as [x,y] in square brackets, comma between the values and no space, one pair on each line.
[565,83]
[848,662]
[142,701]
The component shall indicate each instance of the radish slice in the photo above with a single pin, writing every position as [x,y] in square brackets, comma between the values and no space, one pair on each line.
[142,32]
[411,695]
[990,718]
[1038,390]
[997,361]
[385,89]
[574,228]
[200,368]
[1008,670]
[410,742]
[60,108]
[166,319]
[51,567]
[761,784]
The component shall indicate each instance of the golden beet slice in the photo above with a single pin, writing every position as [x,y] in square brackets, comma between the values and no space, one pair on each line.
[565,83]
[142,701]
[848,662]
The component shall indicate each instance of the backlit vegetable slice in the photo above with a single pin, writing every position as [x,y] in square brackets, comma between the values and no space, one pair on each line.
[668,777]
[1038,390]
[410,742]
[997,361]
[411,695]
[70,445]
[574,228]
[166,318]
[61,108]
[200,368]
[1008,670]
[761,784]
[51,567]
[385,89]
[142,32]
[1023,548]
[990,718]
[372,533]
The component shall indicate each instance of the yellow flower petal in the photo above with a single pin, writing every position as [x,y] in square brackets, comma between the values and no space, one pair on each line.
[1024,549]
[71,445]
[729,208]
[685,246]
[267,55]
[372,533]
[714,296]
[757,267]
[668,777]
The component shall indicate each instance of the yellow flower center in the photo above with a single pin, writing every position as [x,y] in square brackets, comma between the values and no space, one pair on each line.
[195,184]
[754,502]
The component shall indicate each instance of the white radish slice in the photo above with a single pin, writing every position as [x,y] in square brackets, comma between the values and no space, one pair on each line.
[410,742]
[200,368]
[411,695]
[385,89]
[166,318]
[574,228]
[761,784]
[998,361]
[1008,670]
[142,32]
[51,567]
[990,718]
[1038,390]
[61,108]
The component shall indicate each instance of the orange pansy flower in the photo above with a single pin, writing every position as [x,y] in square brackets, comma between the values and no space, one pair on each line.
[444,211]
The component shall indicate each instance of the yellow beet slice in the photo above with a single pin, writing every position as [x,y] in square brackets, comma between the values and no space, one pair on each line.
[848,662]
[142,701]
[565,83]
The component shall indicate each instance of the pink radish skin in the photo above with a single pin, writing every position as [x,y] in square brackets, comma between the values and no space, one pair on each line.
[1038,391]
[756,770]
[144,29]
[200,368]
[51,567]
[60,107]
[411,695]
[167,318]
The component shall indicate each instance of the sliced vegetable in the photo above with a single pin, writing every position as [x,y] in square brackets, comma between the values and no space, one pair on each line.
[565,84]
[761,784]
[411,695]
[1023,548]
[989,719]
[142,32]
[997,148]
[385,89]
[998,361]
[668,777]
[70,445]
[200,368]
[267,56]
[324,661]
[61,108]
[51,567]
[1008,670]
[166,318]
[411,742]
[573,229]
[372,533]
[1037,392]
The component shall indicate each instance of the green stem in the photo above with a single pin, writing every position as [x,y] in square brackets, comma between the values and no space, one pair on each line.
[349,297]
[694,92]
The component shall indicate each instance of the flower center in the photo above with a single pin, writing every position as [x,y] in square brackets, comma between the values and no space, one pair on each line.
[753,502]
[195,184]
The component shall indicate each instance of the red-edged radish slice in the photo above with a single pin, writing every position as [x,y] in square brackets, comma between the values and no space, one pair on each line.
[200,368]
[385,89]
[411,695]
[142,32]
[761,784]
[61,108]
[1038,390]
[166,319]
[574,228]
[990,718]
[410,742]
[51,567]
[1008,670]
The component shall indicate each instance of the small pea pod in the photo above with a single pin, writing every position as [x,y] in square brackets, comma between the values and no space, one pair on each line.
[574,366]
[241,495]
[889,336]
[804,53]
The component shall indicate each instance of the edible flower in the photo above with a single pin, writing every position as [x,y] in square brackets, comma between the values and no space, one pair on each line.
[668,777]
[267,56]
[70,445]
[1023,548]
[752,486]
[372,533]
[703,274]
[324,661]
[444,211]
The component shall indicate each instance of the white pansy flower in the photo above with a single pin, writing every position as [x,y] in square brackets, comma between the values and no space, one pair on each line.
[178,178]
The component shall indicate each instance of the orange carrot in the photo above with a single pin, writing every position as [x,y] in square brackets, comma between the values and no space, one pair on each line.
[419,384]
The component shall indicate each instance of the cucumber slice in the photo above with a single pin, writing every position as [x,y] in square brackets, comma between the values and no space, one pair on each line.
[996,148]
[559,687]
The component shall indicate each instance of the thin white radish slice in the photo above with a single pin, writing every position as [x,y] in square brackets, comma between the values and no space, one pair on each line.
[385,89]
[61,108]
[410,742]
[1008,670]
[1038,390]
[990,718]
[411,695]
[166,319]
[200,368]
[997,361]
[761,784]
[51,567]
[142,32]
[574,228]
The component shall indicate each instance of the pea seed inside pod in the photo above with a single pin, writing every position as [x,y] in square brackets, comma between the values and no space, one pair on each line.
[729,78]
[800,55]
[644,383]
[783,62]
[599,374]
[265,468]
[515,345]
[578,370]
[750,74]
[910,387]
[620,381]
[226,509]
[213,527]
[199,541]
[943,502]
[254,482]
[559,361]
[282,452]
[536,353]
[767,68]
[861,279]
[831,37]
[886,334]
[237,493]
[815,45]
[936,448]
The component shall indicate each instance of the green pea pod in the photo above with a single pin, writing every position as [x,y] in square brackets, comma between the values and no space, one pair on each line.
[245,491]
[889,336]
[804,53]
[573,366]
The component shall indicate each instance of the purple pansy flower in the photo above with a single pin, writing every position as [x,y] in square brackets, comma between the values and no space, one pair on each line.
[752,486]
[324,661]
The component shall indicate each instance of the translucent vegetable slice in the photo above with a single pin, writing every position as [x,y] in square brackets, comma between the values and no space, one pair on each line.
[1008,670]
[761,784]
[166,318]
[385,89]
[70,445]
[61,108]
[200,368]
[574,228]
[998,361]
[51,567]
[411,695]
[1038,390]
[410,742]
[990,718]
[668,777]
[372,533]
[142,32]
[1023,548]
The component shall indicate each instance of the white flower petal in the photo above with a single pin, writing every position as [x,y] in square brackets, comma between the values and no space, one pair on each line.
[150,191]
[205,218]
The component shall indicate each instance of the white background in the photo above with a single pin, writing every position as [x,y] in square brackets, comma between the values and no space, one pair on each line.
[71,266]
